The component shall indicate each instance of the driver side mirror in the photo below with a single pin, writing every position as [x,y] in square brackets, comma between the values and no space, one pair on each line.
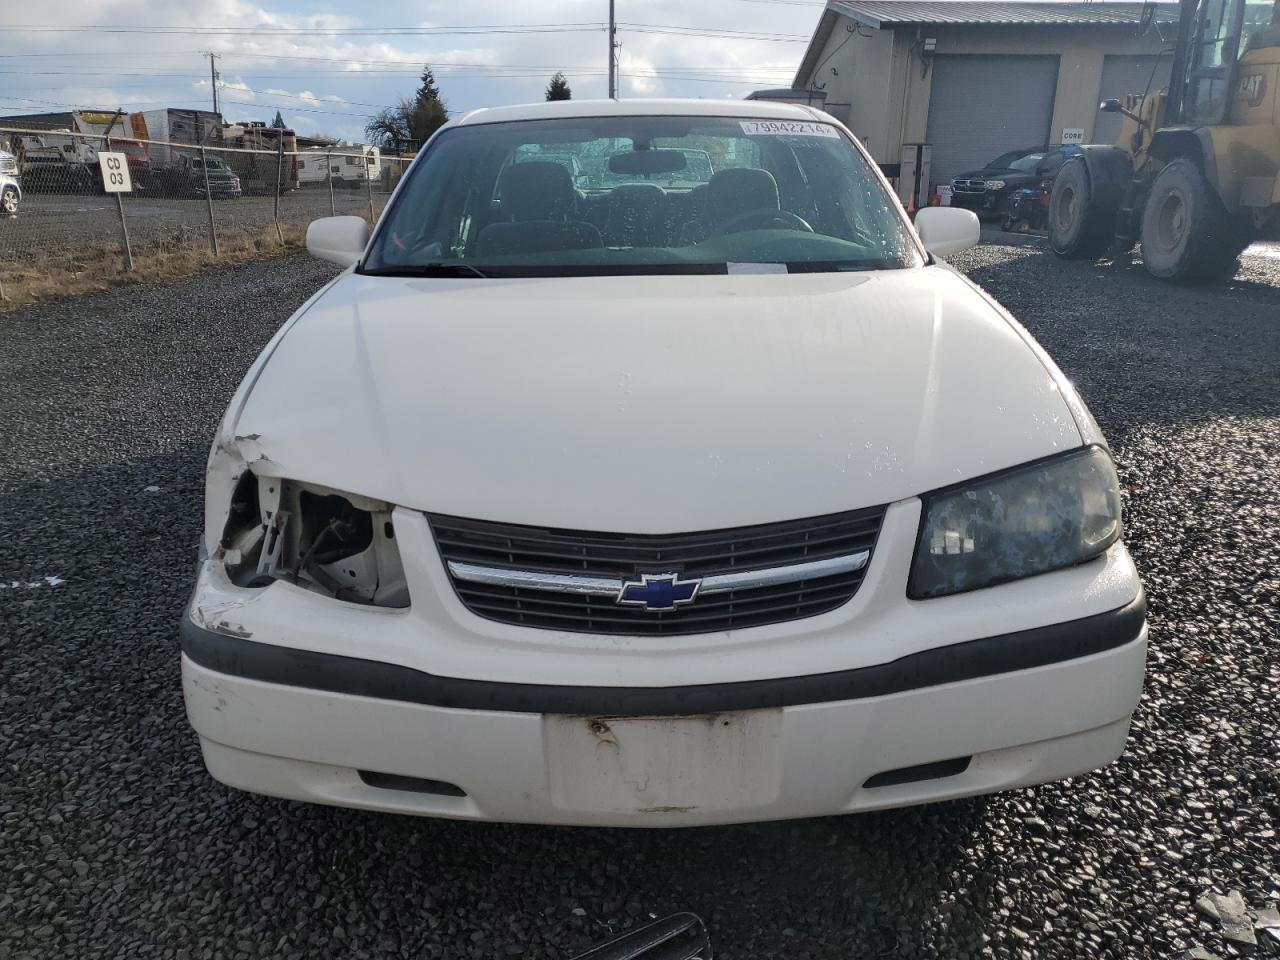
[1110,106]
[947,230]
[339,240]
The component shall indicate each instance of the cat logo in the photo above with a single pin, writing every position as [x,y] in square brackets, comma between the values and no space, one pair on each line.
[1252,88]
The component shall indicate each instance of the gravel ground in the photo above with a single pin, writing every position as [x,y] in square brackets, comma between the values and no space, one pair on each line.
[115,843]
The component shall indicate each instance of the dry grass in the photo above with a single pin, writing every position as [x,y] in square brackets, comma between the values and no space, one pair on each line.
[103,267]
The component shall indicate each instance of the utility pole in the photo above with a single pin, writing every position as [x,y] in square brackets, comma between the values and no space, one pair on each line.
[613,58]
[213,79]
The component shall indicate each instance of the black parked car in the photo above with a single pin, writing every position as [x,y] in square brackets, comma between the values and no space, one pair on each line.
[1026,207]
[985,191]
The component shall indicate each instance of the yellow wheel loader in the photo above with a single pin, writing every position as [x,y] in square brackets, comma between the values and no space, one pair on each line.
[1195,174]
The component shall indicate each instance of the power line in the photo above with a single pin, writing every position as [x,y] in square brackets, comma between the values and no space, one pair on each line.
[261,31]
[717,34]
[456,71]
[576,27]
[276,106]
[249,80]
[408,65]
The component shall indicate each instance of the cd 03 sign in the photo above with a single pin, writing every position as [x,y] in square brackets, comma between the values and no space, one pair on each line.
[115,172]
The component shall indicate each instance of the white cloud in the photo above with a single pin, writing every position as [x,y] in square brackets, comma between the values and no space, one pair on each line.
[330,82]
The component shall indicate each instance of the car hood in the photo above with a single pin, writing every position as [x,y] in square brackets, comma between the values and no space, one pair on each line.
[651,404]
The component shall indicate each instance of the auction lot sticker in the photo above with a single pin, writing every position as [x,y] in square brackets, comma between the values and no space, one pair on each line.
[788,128]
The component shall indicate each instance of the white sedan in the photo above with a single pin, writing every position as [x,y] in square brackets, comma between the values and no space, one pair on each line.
[646,467]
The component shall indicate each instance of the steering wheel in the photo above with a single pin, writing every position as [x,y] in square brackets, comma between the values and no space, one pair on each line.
[757,219]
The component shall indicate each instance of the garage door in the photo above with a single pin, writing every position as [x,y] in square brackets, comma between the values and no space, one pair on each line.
[981,106]
[1123,75]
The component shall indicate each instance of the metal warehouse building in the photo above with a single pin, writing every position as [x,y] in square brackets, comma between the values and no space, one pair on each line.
[973,79]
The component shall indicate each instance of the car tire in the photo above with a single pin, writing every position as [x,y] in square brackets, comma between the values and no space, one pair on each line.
[1187,234]
[9,202]
[1078,228]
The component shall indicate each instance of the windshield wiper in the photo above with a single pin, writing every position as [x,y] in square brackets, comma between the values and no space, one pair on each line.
[458,269]
[841,266]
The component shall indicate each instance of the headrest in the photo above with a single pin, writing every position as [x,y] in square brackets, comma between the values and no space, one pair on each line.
[739,189]
[637,193]
[537,190]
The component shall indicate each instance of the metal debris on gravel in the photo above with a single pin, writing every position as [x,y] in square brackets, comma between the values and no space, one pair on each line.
[114,842]
[1232,913]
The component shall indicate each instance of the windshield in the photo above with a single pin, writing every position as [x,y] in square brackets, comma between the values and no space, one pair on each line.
[1027,163]
[622,195]
[1005,160]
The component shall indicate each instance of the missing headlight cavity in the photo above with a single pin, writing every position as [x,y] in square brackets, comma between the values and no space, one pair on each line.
[244,535]
[334,543]
[332,529]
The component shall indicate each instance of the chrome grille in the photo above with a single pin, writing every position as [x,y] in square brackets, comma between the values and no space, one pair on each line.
[969,186]
[466,545]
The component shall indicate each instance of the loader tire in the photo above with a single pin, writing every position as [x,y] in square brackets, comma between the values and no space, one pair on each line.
[1187,235]
[1079,229]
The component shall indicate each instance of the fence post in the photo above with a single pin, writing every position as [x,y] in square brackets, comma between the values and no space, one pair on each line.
[124,227]
[208,199]
[328,166]
[279,174]
[368,183]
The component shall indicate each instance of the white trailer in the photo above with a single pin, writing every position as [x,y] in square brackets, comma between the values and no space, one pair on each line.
[350,166]
[313,168]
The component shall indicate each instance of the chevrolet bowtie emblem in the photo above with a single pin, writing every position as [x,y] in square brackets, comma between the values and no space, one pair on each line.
[658,592]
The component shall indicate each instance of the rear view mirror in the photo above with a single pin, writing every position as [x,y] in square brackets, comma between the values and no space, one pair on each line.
[947,230]
[339,240]
[647,162]
[1109,106]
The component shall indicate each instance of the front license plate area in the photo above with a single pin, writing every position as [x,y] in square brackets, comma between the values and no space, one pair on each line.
[722,761]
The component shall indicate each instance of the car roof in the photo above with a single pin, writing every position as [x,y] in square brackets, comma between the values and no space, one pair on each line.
[747,109]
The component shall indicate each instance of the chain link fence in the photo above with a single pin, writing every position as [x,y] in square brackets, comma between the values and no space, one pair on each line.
[61,231]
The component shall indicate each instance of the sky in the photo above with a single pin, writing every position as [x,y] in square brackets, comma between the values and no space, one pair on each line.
[327,65]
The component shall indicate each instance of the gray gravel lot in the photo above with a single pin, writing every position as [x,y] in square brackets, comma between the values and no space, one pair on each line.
[115,843]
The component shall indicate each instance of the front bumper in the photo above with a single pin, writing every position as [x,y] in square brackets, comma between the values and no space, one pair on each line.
[987,202]
[968,718]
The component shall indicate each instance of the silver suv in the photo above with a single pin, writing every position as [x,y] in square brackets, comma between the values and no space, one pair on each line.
[10,185]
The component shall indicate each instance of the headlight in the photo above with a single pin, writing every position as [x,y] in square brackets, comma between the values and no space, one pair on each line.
[1032,519]
[995,184]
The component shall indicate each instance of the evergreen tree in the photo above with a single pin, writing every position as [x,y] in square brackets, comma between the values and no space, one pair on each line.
[427,89]
[558,88]
[409,123]
[278,122]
